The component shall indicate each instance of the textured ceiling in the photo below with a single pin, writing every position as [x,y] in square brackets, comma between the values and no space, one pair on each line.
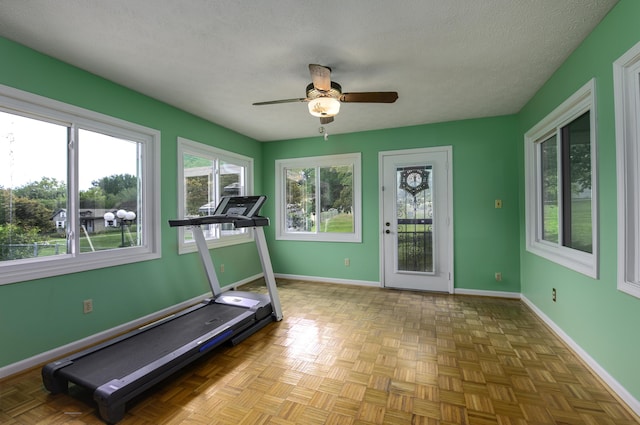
[448,60]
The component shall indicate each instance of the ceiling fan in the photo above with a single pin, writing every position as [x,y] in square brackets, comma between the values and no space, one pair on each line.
[325,96]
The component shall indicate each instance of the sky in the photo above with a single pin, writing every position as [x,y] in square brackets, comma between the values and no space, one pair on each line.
[31,149]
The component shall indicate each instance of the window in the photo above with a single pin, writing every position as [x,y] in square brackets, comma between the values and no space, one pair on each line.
[205,175]
[561,185]
[318,198]
[626,79]
[77,189]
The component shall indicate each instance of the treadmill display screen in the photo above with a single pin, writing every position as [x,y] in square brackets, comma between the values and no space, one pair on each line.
[236,211]
[247,206]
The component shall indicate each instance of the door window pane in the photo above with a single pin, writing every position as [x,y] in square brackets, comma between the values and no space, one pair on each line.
[33,187]
[414,211]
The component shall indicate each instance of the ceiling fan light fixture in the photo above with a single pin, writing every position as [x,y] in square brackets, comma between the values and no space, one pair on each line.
[324,107]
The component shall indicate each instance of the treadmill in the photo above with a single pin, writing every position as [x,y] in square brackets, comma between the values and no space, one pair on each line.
[122,368]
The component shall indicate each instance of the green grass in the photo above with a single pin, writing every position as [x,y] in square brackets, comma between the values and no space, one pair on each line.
[580,224]
[341,223]
[101,241]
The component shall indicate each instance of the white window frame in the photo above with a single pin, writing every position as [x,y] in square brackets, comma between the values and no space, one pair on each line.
[586,263]
[206,151]
[28,104]
[626,86]
[353,159]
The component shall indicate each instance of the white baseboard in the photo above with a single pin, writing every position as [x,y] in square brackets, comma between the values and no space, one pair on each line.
[329,280]
[83,343]
[482,293]
[615,386]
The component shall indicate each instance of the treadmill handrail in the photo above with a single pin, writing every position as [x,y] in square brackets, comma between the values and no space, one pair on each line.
[237,220]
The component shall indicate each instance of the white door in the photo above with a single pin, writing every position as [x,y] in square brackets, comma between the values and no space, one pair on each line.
[417,226]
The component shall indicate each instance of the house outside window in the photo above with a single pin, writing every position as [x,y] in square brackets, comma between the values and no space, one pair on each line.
[60,165]
[318,198]
[206,174]
[560,185]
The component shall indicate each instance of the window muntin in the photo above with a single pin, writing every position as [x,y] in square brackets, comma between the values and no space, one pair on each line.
[318,198]
[205,175]
[43,203]
[560,184]
[626,82]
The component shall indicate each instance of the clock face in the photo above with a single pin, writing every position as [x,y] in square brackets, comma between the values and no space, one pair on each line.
[414,180]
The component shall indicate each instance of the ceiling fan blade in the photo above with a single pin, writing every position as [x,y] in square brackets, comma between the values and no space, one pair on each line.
[320,76]
[371,97]
[274,102]
[326,120]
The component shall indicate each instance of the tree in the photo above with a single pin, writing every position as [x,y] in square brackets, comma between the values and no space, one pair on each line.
[116,183]
[94,197]
[32,214]
[12,235]
[49,191]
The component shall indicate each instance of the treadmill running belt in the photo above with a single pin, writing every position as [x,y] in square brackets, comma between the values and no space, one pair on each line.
[131,354]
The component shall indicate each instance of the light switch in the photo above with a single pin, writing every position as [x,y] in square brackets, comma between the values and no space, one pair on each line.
[498,203]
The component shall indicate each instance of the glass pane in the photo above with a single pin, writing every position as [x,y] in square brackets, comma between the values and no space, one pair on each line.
[549,175]
[204,184]
[414,209]
[110,178]
[231,183]
[33,188]
[577,233]
[198,192]
[336,199]
[300,199]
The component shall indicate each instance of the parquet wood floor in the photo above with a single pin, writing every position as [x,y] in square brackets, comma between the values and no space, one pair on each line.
[347,355]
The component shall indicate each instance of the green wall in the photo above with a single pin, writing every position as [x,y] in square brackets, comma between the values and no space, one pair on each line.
[484,166]
[43,314]
[598,317]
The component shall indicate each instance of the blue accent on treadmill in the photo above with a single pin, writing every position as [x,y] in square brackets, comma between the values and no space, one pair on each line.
[224,335]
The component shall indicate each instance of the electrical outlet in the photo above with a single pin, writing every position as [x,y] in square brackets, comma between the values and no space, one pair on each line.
[87,306]
[347,262]
[498,203]
[553,294]
[221,268]
[498,276]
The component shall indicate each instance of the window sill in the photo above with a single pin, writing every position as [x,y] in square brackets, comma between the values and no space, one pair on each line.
[575,260]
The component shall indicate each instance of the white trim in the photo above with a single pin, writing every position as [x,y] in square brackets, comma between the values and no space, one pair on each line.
[206,151]
[580,102]
[614,385]
[17,101]
[369,283]
[484,293]
[450,254]
[626,74]
[62,351]
[352,159]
